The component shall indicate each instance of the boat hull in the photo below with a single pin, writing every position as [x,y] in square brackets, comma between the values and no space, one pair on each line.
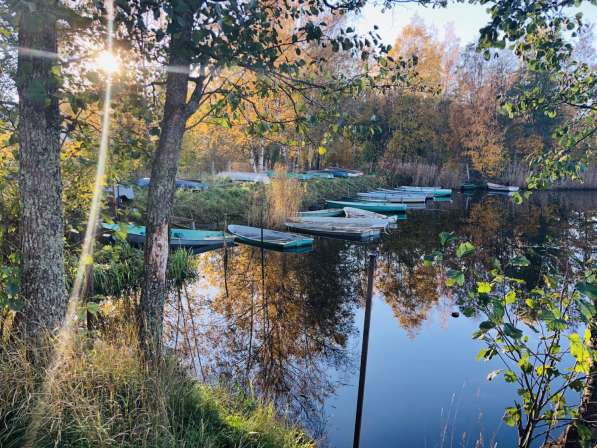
[504,188]
[330,212]
[370,206]
[343,232]
[268,238]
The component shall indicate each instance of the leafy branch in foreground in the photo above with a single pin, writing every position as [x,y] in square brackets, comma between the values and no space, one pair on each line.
[541,333]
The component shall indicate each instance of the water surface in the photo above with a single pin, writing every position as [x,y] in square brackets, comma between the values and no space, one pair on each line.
[288,326]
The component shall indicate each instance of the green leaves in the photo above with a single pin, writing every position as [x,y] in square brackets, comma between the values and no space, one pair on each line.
[512,416]
[588,289]
[464,249]
[455,278]
[483,287]
[486,354]
[511,331]
[446,238]
[520,261]
[581,353]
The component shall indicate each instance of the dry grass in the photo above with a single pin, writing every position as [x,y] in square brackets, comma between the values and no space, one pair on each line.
[106,397]
[283,197]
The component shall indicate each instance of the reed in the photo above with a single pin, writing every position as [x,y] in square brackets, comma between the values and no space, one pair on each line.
[283,197]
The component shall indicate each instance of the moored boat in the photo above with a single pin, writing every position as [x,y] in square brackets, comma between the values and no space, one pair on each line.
[320,174]
[241,176]
[371,206]
[323,212]
[341,221]
[435,191]
[178,237]
[391,197]
[347,231]
[351,212]
[499,187]
[256,236]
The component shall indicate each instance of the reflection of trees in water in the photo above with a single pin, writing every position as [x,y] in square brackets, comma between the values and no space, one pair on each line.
[280,329]
[284,343]
[551,228]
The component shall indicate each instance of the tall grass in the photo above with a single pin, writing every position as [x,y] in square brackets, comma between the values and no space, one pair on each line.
[283,197]
[106,397]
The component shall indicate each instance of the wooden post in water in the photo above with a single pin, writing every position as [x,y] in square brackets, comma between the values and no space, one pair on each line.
[364,351]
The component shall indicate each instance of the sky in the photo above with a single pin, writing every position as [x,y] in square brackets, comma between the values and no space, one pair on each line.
[466,19]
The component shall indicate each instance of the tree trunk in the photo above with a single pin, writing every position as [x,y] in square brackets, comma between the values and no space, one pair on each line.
[41,212]
[161,197]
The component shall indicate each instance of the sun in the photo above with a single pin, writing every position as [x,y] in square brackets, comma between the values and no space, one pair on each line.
[107,62]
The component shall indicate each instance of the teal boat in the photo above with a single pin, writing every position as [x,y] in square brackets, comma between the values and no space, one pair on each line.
[320,174]
[326,212]
[468,186]
[267,238]
[178,237]
[371,206]
[434,191]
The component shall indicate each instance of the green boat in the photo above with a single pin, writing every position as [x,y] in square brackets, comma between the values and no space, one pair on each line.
[326,212]
[434,191]
[178,237]
[379,207]
[267,238]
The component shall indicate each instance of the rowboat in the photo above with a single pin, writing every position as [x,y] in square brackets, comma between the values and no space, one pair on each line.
[391,197]
[256,236]
[422,194]
[320,174]
[435,191]
[346,231]
[183,184]
[178,237]
[467,186]
[351,212]
[343,172]
[323,212]
[361,221]
[498,187]
[240,176]
[371,206]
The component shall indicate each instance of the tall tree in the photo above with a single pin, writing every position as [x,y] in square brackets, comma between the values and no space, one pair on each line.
[41,212]
[202,38]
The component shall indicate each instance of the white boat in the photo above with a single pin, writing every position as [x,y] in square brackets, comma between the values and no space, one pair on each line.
[240,176]
[360,221]
[351,212]
[385,196]
[498,187]
[346,231]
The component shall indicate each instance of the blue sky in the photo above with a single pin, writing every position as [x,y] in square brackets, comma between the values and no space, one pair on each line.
[466,19]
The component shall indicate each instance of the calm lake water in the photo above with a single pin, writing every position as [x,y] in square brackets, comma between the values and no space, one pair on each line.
[289,326]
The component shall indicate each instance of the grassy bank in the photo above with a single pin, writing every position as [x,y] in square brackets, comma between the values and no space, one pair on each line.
[226,203]
[105,397]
